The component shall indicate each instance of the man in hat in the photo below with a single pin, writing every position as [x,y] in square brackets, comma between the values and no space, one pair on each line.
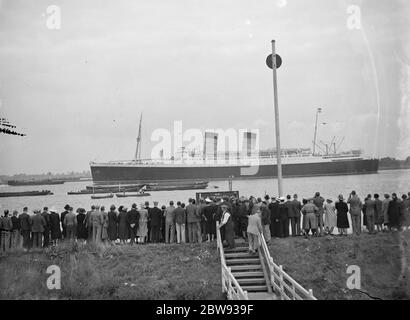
[15,235]
[88,223]
[193,219]
[243,218]
[227,224]
[309,210]
[6,226]
[274,218]
[180,218]
[155,215]
[133,217]
[318,201]
[355,212]
[370,213]
[265,219]
[295,214]
[55,230]
[97,221]
[283,218]
[170,223]
[146,206]
[62,215]
[25,225]
[378,216]
[70,223]
[46,234]
[37,228]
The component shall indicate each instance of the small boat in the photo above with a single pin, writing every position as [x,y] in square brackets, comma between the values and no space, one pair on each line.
[26,193]
[124,195]
[103,196]
[86,192]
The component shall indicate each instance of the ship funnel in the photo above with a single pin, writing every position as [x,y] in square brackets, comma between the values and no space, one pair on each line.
[210,145]
[249,142]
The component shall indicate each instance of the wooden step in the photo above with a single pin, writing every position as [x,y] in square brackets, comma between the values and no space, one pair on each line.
[255,288]
[243,260]
[239,255]
[262,296]
[251,281]
[248,274]
[237,249]
[246,267]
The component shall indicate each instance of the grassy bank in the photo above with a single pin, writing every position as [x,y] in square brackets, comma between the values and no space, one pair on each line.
[122,272]
[321,264]
[193,271]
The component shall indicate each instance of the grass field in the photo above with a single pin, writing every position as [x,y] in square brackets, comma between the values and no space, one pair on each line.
[121,272]
[321,264]
[192,271]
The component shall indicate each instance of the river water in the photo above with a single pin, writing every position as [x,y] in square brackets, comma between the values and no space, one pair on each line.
[330,187]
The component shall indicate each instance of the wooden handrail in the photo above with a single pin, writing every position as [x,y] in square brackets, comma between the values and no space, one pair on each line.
[229,284]
[297,291]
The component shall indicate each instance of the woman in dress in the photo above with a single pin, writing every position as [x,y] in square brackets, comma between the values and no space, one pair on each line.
[81,231]
[330,216]
[341,212]
[122,224]
[112,225]
[142,224]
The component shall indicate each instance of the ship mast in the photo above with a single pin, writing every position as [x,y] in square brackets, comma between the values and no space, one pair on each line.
[319,110]
[138,150]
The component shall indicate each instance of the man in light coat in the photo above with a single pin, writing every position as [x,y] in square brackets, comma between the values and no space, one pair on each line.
[355,210]
[169,223]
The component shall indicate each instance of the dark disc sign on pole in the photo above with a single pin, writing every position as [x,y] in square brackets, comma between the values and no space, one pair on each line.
[278,61]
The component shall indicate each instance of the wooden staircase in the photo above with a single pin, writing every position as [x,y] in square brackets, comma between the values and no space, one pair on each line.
[249,271]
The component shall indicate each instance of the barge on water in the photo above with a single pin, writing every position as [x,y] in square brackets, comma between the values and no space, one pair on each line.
[26,193]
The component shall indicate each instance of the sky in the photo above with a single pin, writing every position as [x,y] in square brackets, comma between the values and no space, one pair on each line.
[78,91]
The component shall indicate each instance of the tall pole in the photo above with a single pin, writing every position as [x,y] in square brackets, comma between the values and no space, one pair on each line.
[277,131]
[138,151]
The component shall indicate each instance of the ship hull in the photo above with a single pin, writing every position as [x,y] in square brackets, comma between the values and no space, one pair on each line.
[112,174]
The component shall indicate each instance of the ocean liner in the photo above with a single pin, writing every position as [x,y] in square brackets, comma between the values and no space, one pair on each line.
[211,166]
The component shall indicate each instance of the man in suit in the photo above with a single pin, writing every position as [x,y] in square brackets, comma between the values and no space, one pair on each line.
[318,201]
[266,222]
[370,213]
[274,218]
[37,228]
[70,222]
[355,212]
[155,214]
[378,217]
[62,215]
[192,219]
[146,206]
[169,223]
[46,234]
[133,217]
[283,218]
[25,225]
[97,221]
[88,223]
[180,218]
[294,215]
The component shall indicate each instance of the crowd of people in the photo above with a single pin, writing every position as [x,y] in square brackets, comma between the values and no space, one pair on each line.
[196,222]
